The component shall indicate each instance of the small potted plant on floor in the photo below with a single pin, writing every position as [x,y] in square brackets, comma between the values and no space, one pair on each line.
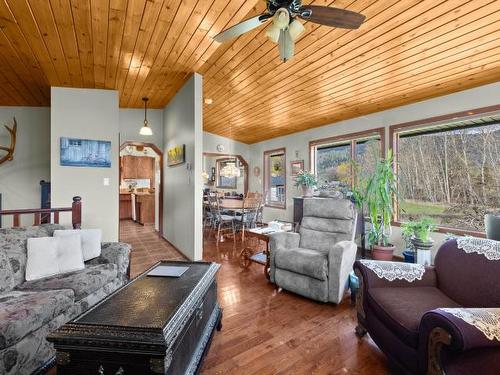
[377,193]
[307,181]
[407,234]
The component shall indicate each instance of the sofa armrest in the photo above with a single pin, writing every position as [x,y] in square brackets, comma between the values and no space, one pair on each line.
[340,261]
[454,331]
[117,253]
[377,274]
[280,241]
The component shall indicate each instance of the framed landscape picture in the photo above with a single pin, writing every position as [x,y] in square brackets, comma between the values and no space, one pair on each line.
[176,155]
[75,152]
[296,167]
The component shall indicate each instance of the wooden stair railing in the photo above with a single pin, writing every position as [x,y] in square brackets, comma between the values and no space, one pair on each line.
[75,209]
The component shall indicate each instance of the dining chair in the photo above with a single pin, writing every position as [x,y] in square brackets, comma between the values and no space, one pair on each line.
[248,217]
[222,221]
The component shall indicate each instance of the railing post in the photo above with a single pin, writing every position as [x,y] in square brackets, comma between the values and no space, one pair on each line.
[76,212]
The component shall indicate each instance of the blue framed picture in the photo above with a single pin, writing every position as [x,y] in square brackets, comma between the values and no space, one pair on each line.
[85,153]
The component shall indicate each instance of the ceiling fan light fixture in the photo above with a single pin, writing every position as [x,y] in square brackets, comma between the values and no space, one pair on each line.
[282,18]
[296,29]
[286,45]
[273,33]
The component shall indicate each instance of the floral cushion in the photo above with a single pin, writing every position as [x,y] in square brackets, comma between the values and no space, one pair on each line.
[24,312]
[13,245]
[83,282]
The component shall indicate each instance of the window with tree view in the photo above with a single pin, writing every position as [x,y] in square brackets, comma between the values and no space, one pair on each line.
[339,163]
[275,178]
[450,173]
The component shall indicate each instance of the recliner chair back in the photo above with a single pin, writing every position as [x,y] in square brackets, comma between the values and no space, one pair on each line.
[325,222]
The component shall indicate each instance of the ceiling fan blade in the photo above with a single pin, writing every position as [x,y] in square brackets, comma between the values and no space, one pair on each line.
[242,28]
[329,16]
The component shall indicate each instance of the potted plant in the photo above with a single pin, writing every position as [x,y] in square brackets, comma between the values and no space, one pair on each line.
[307,181]
[377,193]
[407,234]
[422,241]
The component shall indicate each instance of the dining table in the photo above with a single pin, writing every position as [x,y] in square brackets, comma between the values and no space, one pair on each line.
[230,204]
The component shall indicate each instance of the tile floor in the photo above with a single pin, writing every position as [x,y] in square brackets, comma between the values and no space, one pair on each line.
[147,247]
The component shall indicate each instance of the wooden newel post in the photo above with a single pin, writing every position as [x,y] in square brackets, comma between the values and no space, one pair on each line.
[76,212]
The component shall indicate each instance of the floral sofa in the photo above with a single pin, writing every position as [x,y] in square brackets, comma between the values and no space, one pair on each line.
[435,320]
[30,310]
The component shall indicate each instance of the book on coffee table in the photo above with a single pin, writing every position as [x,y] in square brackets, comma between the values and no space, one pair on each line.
[168,271]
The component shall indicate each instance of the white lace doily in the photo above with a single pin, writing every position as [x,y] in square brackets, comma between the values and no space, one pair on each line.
[485,320]
[489,248]
[395,270]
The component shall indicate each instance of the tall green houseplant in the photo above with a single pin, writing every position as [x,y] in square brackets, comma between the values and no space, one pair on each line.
[377,194]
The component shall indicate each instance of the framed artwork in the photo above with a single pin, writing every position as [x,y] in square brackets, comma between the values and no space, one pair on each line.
[225,182]
[176,155]
[75,152]
[296,166]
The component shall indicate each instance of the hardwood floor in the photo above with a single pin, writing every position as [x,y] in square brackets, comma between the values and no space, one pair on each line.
[266,332]
[263,331]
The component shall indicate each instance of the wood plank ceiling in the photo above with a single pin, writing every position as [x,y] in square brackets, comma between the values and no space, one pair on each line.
[406,51]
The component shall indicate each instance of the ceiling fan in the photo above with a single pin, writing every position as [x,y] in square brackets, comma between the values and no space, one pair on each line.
[286,28]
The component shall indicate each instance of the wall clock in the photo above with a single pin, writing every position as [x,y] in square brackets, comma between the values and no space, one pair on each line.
[220,148]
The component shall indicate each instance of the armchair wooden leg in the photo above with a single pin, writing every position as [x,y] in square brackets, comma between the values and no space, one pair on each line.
[360,330]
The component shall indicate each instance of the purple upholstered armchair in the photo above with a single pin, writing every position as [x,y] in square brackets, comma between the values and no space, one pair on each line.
[435,320]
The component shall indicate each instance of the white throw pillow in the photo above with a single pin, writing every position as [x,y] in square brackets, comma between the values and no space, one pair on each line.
[50,256]
[69,253]
[41,258]
[91,241]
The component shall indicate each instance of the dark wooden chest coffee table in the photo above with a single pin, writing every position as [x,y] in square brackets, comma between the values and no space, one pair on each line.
[153,325]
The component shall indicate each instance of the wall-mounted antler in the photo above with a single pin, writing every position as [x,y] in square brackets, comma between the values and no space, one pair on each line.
[10,150]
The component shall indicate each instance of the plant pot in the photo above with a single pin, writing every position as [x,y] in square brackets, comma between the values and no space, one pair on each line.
[423,249]
[382,252]
[409,256]
[307,191]
[492,225]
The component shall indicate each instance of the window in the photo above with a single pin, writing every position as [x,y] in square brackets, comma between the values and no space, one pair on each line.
[275,178]
[450,171]
[340,161]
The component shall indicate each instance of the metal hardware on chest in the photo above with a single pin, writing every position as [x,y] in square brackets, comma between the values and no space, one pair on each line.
[120,371]
[63,358]
[199,313]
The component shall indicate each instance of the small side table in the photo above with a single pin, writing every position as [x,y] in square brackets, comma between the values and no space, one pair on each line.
[249,254]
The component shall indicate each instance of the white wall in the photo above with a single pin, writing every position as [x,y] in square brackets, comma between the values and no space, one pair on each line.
[87,114]
[299,142]
[20,178]
[131,121]
[182,195]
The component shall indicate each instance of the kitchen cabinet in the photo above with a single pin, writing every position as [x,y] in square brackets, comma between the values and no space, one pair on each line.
[145,208]
[125,206]
[138,167]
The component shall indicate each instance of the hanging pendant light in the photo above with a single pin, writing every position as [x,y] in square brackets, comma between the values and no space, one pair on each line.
[145,130]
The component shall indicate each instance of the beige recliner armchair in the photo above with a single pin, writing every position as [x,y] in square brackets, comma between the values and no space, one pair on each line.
[316,262]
